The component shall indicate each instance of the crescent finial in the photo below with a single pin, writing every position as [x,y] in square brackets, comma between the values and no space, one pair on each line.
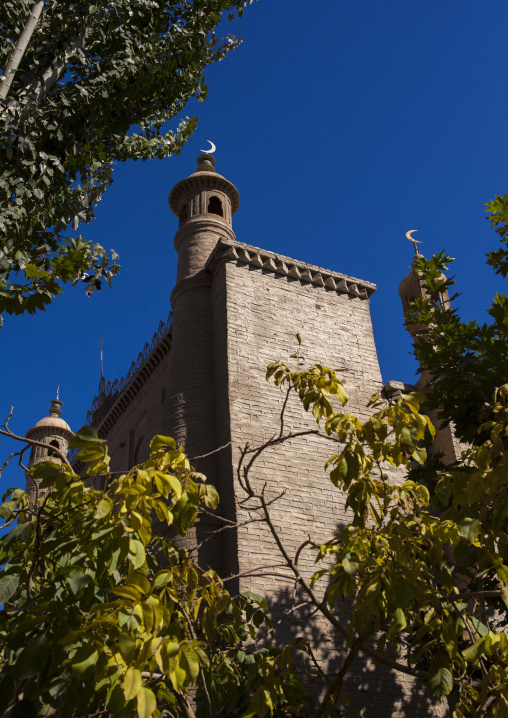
[414,241]
[211,150]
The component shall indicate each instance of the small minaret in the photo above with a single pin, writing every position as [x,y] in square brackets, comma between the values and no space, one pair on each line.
[411,287]
[53,431]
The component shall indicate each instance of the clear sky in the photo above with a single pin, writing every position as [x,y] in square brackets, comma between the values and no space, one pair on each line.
[343,125]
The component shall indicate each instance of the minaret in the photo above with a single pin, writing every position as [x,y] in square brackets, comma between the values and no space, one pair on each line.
[53,431]
[411,287]
[204,203]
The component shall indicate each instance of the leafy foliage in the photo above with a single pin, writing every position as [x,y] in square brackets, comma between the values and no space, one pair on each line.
[423,562]
[102,616]
[426,572]
[96,85]
[465,361]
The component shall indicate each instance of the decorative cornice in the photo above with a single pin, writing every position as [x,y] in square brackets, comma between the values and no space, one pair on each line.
[228,251]
[135,384]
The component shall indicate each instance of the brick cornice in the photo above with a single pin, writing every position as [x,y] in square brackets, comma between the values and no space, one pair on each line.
[240,253]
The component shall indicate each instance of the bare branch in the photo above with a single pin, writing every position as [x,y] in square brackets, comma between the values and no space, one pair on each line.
[7,432]
[323,608]
[336,686]
[203,456]
[223,528]
[20,49]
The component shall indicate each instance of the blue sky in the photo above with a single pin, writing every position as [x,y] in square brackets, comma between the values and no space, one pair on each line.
[343,125]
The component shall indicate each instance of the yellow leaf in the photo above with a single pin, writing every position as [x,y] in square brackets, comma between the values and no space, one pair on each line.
[146,703]
[137,553]
[131,683]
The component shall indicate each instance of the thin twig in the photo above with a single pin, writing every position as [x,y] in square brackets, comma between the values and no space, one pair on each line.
[208,702]
[32,442]
[223,528]
[203,456]
[336,686]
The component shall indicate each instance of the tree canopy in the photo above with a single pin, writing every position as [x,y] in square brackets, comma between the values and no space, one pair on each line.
[86,85]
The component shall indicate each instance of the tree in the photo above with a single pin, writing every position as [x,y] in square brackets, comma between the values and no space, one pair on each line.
[101,617]
[86,85]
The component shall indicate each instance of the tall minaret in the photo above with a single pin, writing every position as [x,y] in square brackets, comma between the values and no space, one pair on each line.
[205,203]
[53,431]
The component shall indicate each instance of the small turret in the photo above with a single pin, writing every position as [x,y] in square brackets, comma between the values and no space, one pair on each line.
[412,287]
[50,430]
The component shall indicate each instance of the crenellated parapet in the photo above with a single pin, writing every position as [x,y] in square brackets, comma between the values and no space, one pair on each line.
[265,261]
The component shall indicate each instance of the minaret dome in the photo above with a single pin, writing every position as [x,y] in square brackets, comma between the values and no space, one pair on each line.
[205,192]
[53,431]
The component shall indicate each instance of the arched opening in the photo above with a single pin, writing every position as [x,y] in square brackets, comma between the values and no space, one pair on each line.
[183,213]
[215,206]
[56,446]
[137,449]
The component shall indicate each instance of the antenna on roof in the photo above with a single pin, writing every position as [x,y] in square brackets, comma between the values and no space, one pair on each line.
[102,363]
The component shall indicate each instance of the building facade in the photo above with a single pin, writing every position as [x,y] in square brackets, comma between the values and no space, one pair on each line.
[235,308]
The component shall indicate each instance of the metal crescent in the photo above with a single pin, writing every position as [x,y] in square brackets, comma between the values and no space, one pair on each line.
[213,148]
[408,235]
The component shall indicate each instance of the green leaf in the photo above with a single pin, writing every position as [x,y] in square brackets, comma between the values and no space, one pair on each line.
[33,659]
[262,702]
[400,619]
[13,535]
[85,436]
[84,659]
[90,453]
[469,529]
[104,507]
[350,567]
[441,682]
[209,624]
[473,653]
[162,442]
[78,580]
[8,586]
[137,553]
[7,509]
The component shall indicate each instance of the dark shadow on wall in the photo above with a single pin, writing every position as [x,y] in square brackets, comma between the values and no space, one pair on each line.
[374,692]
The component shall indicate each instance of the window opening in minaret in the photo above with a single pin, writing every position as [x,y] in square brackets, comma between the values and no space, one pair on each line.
[215,206]
[183,213]
[54,443]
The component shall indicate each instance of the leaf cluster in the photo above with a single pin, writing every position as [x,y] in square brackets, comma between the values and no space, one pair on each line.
[102,616]
[421,567]
[97,84]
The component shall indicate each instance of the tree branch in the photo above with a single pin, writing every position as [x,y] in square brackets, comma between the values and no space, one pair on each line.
[20,49]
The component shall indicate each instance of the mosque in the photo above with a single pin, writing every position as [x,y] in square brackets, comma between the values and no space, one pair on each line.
[234,309]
